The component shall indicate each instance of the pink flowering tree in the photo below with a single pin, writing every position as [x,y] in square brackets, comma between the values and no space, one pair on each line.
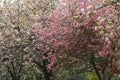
[82,32]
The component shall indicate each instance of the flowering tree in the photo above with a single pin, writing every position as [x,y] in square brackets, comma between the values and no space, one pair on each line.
[18,49]
[82,32]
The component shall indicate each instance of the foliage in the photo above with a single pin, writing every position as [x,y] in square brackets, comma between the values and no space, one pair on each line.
[91,76]
[66,75]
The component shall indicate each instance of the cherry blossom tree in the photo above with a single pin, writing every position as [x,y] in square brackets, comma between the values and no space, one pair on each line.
[82,32]
[18,49]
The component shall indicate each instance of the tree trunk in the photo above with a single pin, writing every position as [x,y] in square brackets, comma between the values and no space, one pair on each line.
[94,66]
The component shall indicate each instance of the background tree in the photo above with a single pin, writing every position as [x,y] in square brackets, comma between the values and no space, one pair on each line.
[18,46]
